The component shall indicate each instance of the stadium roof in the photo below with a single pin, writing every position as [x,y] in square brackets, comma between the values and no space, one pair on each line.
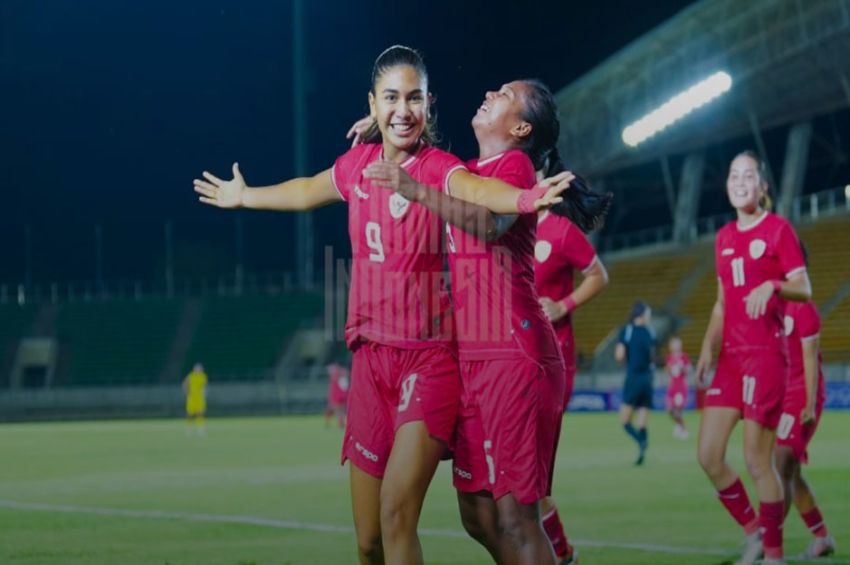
[788,60]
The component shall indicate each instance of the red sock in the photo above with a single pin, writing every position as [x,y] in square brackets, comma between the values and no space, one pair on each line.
[814,521]
[735,499]
[555,532]
[772,516]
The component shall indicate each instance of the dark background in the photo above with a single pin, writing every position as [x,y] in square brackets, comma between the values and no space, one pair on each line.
[110,109]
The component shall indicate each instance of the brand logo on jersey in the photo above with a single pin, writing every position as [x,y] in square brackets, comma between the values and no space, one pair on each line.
[757,248]
[366,453]
[360,193]
[542,250]
[463,474]
[398,205]
[789,325]
[727,251]
[712,392]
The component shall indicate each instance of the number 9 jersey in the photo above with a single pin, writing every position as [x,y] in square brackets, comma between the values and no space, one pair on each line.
[398,294]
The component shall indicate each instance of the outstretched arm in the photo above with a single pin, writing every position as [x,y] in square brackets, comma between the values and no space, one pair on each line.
[297,194]
[502,198]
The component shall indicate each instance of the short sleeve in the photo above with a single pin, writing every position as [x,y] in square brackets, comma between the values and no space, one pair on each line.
[438,167]
[348,167]
[577,250]
[517,170]
[789,252]
[808,321]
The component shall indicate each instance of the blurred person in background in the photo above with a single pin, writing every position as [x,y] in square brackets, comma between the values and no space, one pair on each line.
[636,349]
[195,389]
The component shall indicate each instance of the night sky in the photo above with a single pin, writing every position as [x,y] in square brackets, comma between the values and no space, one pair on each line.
[110,109]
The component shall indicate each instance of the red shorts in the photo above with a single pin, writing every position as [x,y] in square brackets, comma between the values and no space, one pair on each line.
[790,431]
[751,381]
[676,398]
[391,387]
[506,435]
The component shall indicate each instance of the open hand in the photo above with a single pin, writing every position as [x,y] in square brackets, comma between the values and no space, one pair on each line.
[389,175]
[221,193]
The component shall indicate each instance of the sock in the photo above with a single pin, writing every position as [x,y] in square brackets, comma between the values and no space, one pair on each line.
[643,437]
[772,516]
[630,429]
[814,521]
[737,503]
[555,532]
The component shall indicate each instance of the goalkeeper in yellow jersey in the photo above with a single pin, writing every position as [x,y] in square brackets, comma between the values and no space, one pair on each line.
[195,389]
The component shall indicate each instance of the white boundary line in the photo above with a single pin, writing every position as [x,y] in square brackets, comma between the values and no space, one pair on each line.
[329,528]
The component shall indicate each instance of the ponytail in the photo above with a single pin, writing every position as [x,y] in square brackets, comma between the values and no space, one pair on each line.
[582,205]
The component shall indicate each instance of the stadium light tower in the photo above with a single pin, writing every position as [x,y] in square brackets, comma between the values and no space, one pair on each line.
[677,108]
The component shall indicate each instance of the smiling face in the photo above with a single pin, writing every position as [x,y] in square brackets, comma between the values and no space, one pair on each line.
[500,114]
[399,105]
[744,185]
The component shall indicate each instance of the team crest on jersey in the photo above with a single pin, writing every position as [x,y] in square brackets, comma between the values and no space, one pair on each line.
[789,325]
[398,205]
[757,248]
[542,250]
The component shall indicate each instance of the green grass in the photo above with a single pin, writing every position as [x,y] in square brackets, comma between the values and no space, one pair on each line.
[286,469]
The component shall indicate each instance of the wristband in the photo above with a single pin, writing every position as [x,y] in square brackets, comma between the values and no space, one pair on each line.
[569,303]
[526,200]
[777,286]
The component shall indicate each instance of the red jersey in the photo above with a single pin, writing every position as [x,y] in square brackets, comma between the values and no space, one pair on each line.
[497,312]
[678,367]
[561,248]
[746,257]
[802,323]
[398,294]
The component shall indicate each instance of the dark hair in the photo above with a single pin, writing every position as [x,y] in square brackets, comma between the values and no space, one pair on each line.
[638,310]
[765,201]
[391,57]
[582,205]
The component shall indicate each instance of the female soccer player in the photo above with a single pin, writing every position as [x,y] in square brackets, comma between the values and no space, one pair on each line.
[801,412]
[678,366]
[405,388]
[195,389]
[511,364]
[636,348]
[759,265]
[562,249]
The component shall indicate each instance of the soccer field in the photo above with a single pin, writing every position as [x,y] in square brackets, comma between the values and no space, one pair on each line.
[271,491]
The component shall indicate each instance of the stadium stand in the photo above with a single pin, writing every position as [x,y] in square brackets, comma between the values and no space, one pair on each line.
[242,338]
[114,341]
[15,323]
[652,278]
